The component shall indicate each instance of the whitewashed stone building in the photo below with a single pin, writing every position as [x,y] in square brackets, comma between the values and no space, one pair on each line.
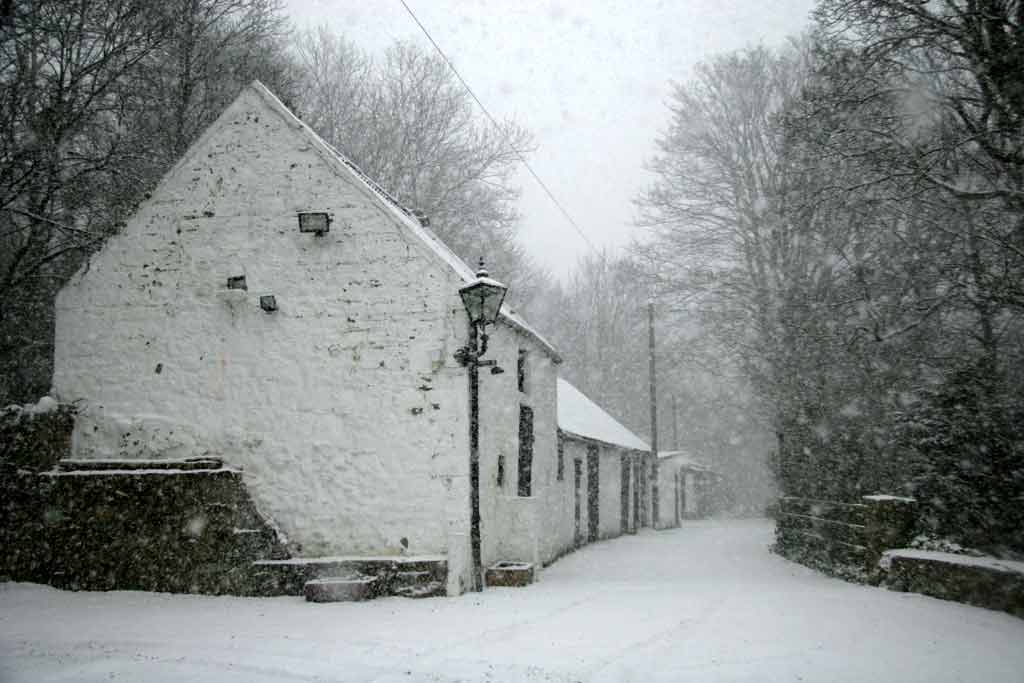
[340,397]
[683,484]
[603,492]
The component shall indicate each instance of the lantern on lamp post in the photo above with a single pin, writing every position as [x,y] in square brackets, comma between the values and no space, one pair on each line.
[482,298]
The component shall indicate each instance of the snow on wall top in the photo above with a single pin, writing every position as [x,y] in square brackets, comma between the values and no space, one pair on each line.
[995,564]
[401,214]
[579,416]
[683,458]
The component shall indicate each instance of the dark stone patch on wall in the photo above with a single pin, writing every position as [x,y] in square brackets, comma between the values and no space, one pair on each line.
[191,529]
[35,441]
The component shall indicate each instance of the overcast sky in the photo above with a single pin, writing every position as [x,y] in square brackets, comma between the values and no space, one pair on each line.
[589,79]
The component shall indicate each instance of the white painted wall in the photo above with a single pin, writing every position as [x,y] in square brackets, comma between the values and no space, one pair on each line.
[562,517]
[576,450]
[610,493]
[514,527]
[345,407]
[558,510]
[690,488]
[667,471]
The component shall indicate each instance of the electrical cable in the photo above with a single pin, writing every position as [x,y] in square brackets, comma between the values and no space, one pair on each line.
[494,121]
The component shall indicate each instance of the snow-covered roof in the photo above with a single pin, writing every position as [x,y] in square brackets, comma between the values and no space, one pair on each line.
[401,214]
[579,416]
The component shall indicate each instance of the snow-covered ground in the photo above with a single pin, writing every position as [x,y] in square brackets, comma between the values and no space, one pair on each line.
[702,603]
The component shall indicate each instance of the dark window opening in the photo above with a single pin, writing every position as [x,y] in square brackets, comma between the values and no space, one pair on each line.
[521,371]
[501,471]
[525,450]
[561,458]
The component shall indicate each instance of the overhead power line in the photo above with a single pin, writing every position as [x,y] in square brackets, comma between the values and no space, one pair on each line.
[494,121]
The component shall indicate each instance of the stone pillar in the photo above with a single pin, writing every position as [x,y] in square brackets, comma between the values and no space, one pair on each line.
[890,522]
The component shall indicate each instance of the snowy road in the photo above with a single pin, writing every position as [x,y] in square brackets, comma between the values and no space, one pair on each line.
[702,603]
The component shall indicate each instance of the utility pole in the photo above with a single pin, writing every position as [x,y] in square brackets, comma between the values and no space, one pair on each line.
[654,417]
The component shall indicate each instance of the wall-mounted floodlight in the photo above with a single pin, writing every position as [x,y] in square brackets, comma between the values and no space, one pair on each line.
[316,222]
[268,303]
[237,282]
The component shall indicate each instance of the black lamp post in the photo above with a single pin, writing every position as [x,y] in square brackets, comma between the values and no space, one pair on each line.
[482,298]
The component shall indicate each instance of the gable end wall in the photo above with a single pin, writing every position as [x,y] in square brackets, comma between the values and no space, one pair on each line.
[344,407]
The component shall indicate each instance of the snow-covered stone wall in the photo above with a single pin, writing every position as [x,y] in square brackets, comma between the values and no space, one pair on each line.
[35,437]
[344,407]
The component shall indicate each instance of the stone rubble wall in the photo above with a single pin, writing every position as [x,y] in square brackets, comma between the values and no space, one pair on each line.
[843,539]
[187,530]
[35,439]
[983,582]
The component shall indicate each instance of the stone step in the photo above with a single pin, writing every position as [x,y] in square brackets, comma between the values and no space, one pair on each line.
[342,589]
[289,577]
[415,578]
[430,589]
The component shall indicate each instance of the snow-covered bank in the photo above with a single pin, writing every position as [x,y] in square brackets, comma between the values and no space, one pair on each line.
[705,603]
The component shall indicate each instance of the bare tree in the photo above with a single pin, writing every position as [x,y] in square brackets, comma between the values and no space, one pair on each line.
[962,58]
[213,50]
[97,100]
[64,66]
[926,98]
[408,123]
[799,282]
[721,237]
[336,86]
[599,319]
